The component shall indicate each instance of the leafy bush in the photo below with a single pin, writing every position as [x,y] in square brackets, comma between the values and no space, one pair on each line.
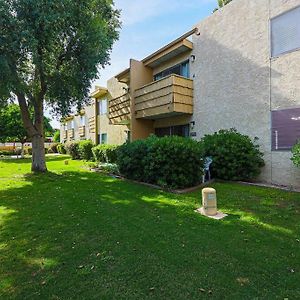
[173,162]
[235,156]
[85,149]
[61,149]
[109,168]
[53,148]
[6,153]
[72,148]
[56,136]
[105,153]
[296,154]
[28,150]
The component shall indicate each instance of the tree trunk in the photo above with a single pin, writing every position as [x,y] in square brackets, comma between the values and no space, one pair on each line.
[22,150]
[38,154]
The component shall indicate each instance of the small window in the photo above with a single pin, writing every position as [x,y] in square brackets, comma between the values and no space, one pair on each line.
[102,107]
[179,130]
[103,138]
[285,32]
[72,124]
[285,128]
[82,120]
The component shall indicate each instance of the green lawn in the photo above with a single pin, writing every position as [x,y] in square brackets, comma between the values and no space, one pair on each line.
[72,234]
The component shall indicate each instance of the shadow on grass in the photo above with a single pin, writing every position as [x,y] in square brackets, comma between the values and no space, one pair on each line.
[26,160]
[87,236]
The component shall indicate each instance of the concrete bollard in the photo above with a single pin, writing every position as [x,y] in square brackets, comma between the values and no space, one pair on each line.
[209,201]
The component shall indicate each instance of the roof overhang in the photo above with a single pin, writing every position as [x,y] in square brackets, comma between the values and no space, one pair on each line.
[173,49]
[99,92]
[124,76]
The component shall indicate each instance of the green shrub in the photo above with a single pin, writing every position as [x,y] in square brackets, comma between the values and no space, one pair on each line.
[72,148]
[6,153]
[235,156]
[53,148]
[173,162]
[296,154]
[105,153]
[85,149]
[28,150]
[109,168]
[61,149]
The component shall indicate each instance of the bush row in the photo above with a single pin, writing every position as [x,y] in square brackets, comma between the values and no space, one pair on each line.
[174,162]
[86,150]
[177,162]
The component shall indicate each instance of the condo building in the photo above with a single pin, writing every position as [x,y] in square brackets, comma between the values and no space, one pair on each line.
[238,68]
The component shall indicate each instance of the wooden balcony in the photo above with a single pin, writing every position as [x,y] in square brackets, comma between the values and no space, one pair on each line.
[119,110]
[81,131]
[71,133]
[166,97]
[92,124]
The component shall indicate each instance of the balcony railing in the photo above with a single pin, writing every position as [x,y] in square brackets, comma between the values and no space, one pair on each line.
[65,134]
[71,133]
[92,124]
[81,131]
[166,97]
[119,109]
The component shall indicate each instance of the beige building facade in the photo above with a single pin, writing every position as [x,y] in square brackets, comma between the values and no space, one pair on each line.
[239,68]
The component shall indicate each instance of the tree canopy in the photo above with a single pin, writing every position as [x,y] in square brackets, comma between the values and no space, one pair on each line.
[50,52]
[11,125]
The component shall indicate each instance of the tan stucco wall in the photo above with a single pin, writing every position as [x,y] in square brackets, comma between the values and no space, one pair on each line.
[233,82]
[116,134]
[139,76]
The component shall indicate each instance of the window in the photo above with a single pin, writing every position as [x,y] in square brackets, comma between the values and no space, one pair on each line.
[180,130]
[103,138]
[102,107]
[182,69]
[70,124]
[65,126]
[285,32]
[285,128]
[82,120]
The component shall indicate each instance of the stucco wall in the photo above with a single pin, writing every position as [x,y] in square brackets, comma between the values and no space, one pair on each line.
[233,82]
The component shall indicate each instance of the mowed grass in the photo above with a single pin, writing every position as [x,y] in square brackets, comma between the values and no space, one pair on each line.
[73,234]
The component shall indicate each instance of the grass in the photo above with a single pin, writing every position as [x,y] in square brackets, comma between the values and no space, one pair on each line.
[72,234]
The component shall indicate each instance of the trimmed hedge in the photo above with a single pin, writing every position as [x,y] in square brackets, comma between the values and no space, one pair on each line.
[105,153]
[173,162]
[85,149]
[7,153]
[235,156]
[72,148]
[296,154]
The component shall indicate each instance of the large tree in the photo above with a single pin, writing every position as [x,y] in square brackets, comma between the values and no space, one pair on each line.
[50,51]
[12,128]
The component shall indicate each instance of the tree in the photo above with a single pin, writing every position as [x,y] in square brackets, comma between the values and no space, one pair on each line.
[12,128]
[56,136]
[222,3]
[50,52]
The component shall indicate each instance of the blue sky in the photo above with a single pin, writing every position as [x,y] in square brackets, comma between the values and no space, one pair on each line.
[149,25]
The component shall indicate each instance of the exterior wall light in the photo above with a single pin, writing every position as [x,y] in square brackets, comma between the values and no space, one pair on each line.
[193,58]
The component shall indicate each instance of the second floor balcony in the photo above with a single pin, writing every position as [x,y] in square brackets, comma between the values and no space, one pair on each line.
[119,109]
[167,97]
